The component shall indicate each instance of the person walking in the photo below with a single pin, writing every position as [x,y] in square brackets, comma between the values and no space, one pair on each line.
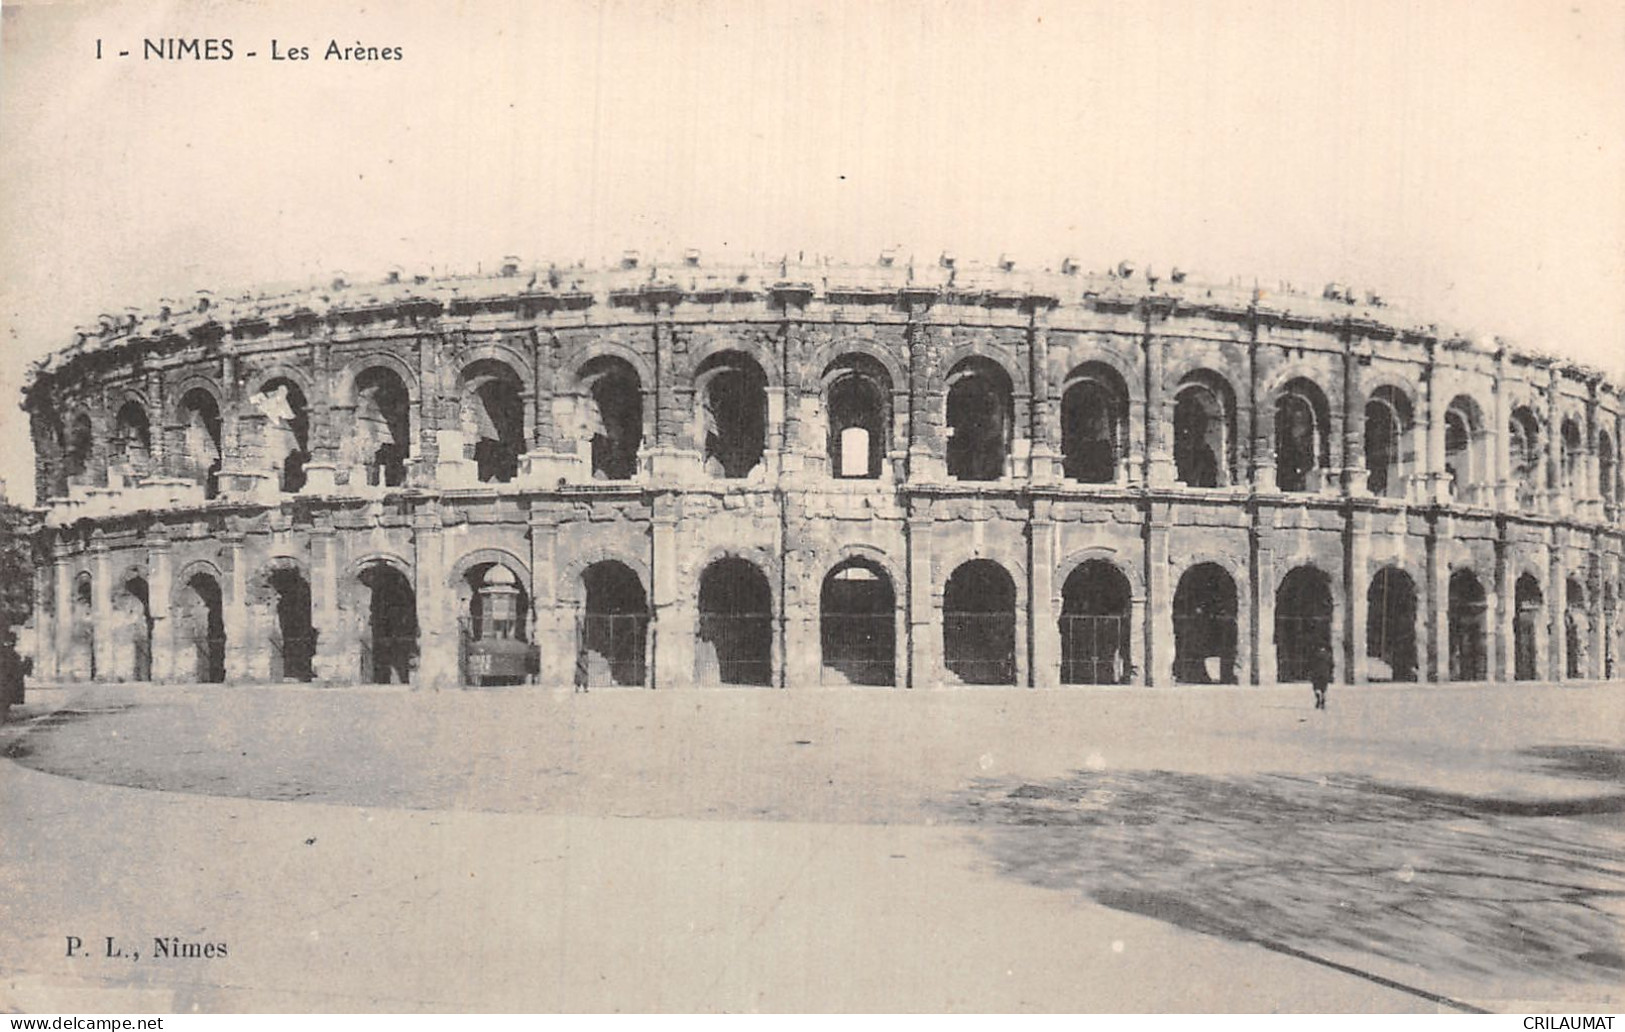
[1320,674]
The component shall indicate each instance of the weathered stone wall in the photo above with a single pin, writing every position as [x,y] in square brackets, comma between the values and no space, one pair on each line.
[140,532]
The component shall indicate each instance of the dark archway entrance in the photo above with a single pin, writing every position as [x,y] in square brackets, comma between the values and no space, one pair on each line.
[1390,627]
[614,627]
[390,649]
[1467,656]
[293,640]
[735,634]
[733,405]
[1303,623]
[1205,626]
[614,399]
[203,628]
[494,636]
[493,419]
[135,633]
[857,630]
[979,420]
[1095,626]
[1576,627]
[979,624]
[1528,605]
[383,425]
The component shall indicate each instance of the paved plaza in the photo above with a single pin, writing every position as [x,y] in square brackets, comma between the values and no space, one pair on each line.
[1412,848]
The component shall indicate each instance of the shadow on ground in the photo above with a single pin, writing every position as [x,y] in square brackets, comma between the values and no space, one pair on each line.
[1335,867]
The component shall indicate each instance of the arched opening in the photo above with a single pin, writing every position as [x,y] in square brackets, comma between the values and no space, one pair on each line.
[857,632]
[493,419]
[733,410]
[1465,615]
[1303,623]
[1302,450]
[1524,453]
[133,616]
[293,640]
[81,660]
[1605,467]
[979,416]
[1528,606]
[1205,626]
[78,448]
[614,401]
[200,443]
[132,438]
[1095,628]
[287,432]
[1094,425]
[614,631]
[979,624]
[857,399]
[1573,458]
[383,425]
[495,630]
[1204,431]
[1390,627]
[1576,629]
[1389,448]
[1465,459]
[735,632]
[390,649]
[201,624]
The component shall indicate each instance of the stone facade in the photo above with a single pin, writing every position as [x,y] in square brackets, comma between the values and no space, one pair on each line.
[802,475]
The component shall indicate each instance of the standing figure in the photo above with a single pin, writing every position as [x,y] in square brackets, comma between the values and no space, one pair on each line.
[1320,673]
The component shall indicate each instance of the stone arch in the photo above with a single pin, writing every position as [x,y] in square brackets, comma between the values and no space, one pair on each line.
[1095,417]
[1004,358]
[979,419]
[1466,625]
[856,394]
[480,557]
[764,559]
[494,414]
[753,348]
[281,589]
[858,621]
[1467,448]
[1390,440]
[570,591]
[980,613]
[572,360]
[1303,458]
[1393,601]
[175,394]
[343,381]
[1065,360]
[1526,453]
[612,413]
[522,363]
[735,639]
[1126,565]
[1204,428]
[838,347]
[1305,616]
[294,374]
[731,403]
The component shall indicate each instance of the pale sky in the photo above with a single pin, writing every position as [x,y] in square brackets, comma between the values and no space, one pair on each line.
[1466,157]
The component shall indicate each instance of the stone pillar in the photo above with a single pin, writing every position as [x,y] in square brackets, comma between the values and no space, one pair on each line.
[1045,633]
[1436,603]
[1159,459]
[1556,603]
[104,641]
[1160,593]
[1437,481]
[54,651]
[1503,661]
[554,623]
[1355,474]
[1262,642]
[1358,581]
[1261,439]
[673,626]
[1553,440]
[1608,659]
[337,650]
[1505,490]
[160,587]
[926,461]
[438,640]
[924,663]
[1136,640]
[1045,467]
[240,645]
